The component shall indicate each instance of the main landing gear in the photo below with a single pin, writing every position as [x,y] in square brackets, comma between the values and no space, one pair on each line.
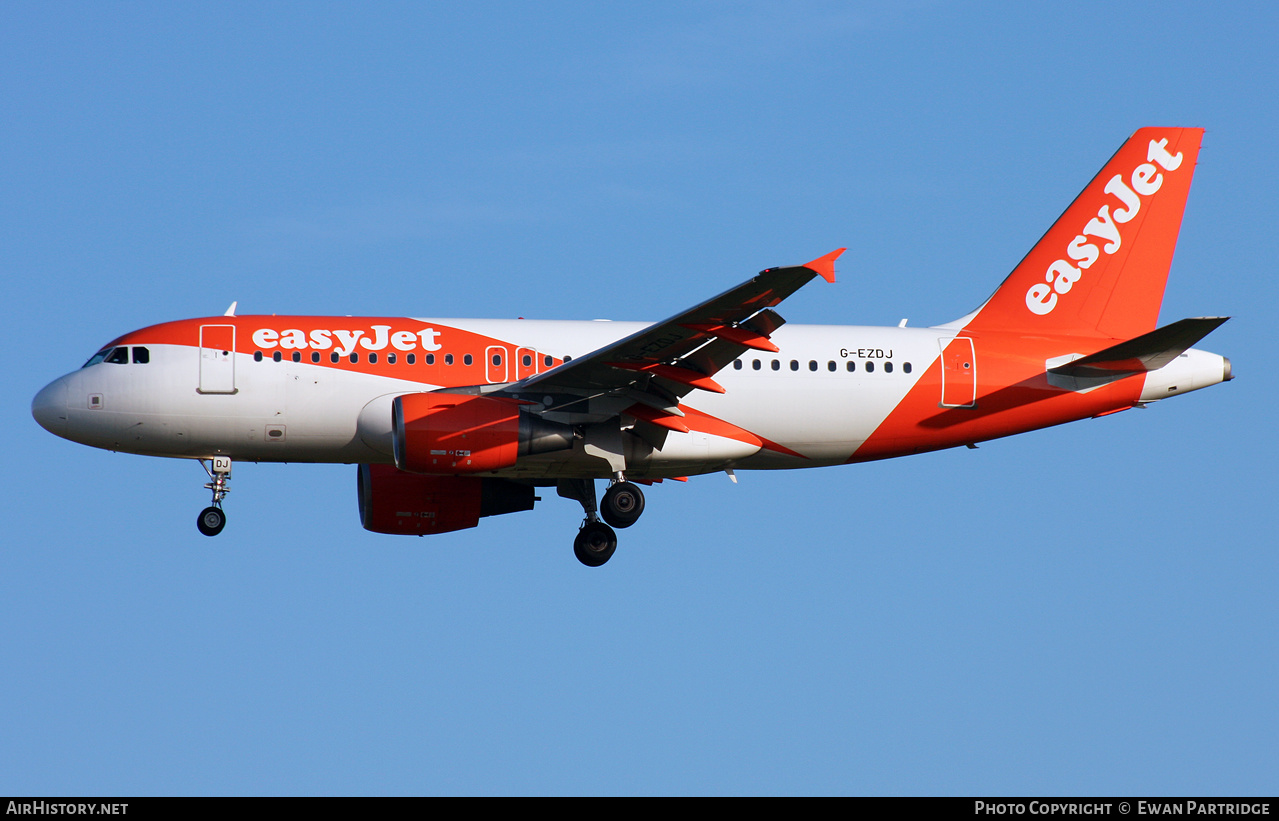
[595,543]
[623,503]
[211,520]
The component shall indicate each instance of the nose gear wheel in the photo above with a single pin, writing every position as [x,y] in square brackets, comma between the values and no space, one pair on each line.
[211,521]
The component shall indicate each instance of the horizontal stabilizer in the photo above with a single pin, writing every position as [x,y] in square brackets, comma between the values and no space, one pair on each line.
[1148,352]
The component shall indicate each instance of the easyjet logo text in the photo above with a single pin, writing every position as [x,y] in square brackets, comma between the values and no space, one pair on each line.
[1144,181]
[375,338]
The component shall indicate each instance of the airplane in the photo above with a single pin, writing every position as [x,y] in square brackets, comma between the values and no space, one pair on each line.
[453,420]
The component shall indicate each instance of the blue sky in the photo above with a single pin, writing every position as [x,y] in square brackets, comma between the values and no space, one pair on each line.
[1088,609]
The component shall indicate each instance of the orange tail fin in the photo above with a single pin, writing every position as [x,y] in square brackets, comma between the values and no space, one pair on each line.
[1101,269]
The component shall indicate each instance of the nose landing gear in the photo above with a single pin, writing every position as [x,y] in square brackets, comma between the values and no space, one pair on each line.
[211,520]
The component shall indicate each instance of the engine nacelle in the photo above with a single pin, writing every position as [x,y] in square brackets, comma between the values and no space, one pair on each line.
[392,501]
[451,434]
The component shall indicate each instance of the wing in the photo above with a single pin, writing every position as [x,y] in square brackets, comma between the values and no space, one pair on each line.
[667,360]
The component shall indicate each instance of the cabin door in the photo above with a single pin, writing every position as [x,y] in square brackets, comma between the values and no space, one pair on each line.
[958,373]
[217,359]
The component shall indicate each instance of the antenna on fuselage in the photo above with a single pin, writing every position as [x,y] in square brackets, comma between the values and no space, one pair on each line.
[231,311]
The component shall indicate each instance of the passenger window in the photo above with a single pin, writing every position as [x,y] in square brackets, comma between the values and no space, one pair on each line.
[333,357]
[888,367]
[315,356]
[412,359]
[372,359]
[119,356]
[467,359]
[355,359]
[737,364]
[527,360]
[297,356]
[777,365]
[448,359]
[852,366]
[794,364]
[430,359]
[812,364]
[257,356]
[906,367]
[568,358]
[276,357]
[141,356]
[830,366]
[390,359]
[548,360]
[756,364]
[870,367]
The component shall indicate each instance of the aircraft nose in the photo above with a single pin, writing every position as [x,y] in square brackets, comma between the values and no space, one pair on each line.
[50,407]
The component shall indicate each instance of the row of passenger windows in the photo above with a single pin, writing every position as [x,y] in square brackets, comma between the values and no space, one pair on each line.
[409,359]
[850,366]
[142,356]
[120,356]
[526,360]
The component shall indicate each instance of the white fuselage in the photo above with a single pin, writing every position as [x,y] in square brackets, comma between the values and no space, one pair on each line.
[804,399]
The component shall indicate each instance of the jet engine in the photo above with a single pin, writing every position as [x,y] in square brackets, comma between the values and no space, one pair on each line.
[450,434]
[392,501]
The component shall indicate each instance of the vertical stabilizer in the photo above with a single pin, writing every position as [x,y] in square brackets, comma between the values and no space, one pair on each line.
[1102,267]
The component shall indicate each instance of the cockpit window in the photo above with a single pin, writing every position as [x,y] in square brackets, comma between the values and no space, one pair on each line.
[97,357]
[119,356]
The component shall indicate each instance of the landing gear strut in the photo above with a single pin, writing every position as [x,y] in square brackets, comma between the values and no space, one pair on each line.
[623,504]
[211,520]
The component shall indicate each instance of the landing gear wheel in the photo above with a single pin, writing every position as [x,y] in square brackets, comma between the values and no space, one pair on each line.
[622,504]
[211,521]
[594,544]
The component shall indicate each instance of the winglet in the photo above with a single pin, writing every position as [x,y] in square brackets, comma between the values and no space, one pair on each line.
[825,265]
